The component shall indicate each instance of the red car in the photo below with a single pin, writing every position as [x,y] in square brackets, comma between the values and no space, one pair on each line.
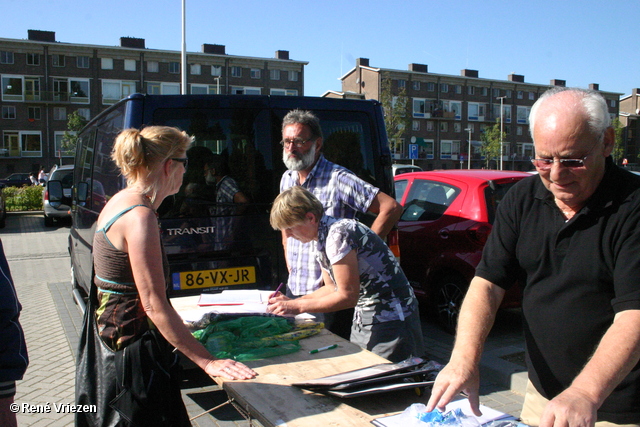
[448,215]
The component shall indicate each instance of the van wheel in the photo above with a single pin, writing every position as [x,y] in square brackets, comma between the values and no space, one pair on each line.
[48,221]
[448,300]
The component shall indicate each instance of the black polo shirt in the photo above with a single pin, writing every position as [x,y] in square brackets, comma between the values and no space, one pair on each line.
[578,274]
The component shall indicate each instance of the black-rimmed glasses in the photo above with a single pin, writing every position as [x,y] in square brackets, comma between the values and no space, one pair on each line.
[183,160]
[298,142]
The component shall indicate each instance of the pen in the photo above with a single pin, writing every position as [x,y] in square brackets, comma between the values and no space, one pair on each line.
[329,347]
[277,290]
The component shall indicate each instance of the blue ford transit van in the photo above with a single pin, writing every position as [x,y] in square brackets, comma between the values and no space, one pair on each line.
[212,247]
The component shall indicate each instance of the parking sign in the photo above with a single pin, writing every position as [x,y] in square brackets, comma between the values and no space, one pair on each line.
[413,151]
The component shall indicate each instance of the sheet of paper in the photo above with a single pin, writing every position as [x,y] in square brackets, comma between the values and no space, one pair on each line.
[240,296]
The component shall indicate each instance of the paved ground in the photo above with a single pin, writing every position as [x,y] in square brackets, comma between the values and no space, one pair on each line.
[39,263]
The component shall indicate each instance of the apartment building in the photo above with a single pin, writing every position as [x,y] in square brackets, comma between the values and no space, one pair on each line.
[44,80]
[448,113]
[630,120]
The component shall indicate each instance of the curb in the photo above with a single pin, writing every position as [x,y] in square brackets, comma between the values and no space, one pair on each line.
[506,374]
[11,213]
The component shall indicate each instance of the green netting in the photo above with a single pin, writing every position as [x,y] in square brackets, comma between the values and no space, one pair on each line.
[254,337]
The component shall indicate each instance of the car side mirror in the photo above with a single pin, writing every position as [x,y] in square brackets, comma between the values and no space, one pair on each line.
[54,188]
[82,191]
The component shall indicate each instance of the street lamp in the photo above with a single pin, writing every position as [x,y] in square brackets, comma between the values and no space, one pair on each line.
[501,98]
[469,153]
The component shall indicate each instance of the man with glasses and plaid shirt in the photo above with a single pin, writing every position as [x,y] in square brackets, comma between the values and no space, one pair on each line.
[341,193]
[572,236]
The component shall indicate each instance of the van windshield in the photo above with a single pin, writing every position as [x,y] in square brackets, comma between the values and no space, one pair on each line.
[235,162]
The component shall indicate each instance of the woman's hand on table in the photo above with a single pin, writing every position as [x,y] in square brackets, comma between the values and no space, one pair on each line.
[229,369]
[282,305]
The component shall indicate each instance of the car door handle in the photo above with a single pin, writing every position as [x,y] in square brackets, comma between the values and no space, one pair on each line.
[444,233]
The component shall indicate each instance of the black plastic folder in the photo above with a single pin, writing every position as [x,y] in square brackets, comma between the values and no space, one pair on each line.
[411,373]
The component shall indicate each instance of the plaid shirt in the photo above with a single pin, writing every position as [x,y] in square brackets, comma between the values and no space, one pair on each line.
[342,194]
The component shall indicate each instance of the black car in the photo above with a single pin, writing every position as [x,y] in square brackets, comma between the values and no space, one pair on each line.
[16,180]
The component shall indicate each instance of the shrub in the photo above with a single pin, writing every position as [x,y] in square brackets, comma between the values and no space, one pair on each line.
[28,198]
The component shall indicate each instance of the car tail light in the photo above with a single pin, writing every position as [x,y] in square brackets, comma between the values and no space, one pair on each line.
[393,242]
[46,194]
[479,232]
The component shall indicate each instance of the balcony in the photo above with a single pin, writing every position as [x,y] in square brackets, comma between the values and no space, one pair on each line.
[55,97]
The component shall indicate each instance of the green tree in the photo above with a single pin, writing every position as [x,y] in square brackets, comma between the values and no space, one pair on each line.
[490,138]
[618,147]
[396,118]
[75,123]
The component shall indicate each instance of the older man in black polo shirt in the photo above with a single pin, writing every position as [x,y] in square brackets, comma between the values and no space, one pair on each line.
[572,234]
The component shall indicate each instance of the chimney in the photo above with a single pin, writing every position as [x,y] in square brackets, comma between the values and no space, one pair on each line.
[282,54]
[132,42]
[42,36]
[362,62]
[216,49]
[418,68]
[556,82]
[516,78]
[594,86]
[469,73]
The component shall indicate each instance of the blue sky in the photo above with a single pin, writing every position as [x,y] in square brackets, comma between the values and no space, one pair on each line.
[581,42]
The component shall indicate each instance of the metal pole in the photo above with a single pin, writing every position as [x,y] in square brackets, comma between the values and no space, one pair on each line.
[469,153]
[501,129]
[183,90]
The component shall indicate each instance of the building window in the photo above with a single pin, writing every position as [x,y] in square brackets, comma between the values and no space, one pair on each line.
[523,114]
[33,59]
[415,125]
[520,94]
[79,90]
[31,144]
[196,69]
[444,88]
[6,57]
[612,103]
[508,93]
[431,86]
[274,74]
[236,71]
[84,112]
[12,88]
[153,66]
[169,88]
[519,130]
[60,152]
[293,76]
[153,88]
[430,126]
[59,113]
[129,64]
[402,84]
[485,91]
[106,63]
[496,92]
[32,88]
[33,113]
[255,73]
[476,111]
[8,112]
[284,92]
[454,107]
[470,90]
[197,89]
[458,89]
[82,61]
[444,127]
[115,90]
[449,149]
[216,70]
[57,60]
[416,85]
[238,90]
[532,96]
[174,67]
[457,127]
[506,112]
[419,107]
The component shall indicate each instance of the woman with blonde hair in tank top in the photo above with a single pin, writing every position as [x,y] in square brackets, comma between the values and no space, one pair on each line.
[132,310]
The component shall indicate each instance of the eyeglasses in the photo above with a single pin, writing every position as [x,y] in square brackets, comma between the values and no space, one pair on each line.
[183,160]
[298,142]
[545,164]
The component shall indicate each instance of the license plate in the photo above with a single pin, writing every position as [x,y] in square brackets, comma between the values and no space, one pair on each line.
[213,278]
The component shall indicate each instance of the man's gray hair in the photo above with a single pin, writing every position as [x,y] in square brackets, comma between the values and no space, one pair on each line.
[305,118]
[593,103]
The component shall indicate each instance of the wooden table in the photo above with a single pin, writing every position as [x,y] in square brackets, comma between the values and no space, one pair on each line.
[272,400]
